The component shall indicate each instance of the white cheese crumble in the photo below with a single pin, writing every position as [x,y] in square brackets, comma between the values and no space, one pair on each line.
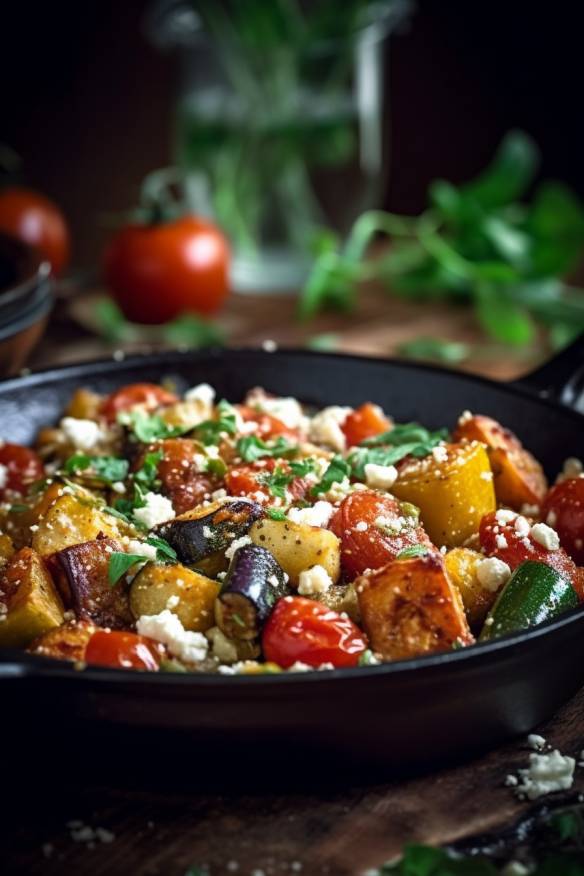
[3,475]
[141,548]
[440,453]
[167,628]
[325,427]
[492,573]
[82,434]
[501,542]
[530,510]
[315,580]
[318,514]
[172,602]
[464,418]
[286,409]
[236,544]
[380,477]
[118,487]
[546,773]
[362,526]
[522,526]
[203,392]
[572,468]
[546,536]
[158,509]
[504,515]
[535,741]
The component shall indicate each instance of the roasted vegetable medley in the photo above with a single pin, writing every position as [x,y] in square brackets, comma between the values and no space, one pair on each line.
[187,534]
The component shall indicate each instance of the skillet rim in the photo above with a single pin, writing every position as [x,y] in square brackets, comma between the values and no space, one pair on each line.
[24,664]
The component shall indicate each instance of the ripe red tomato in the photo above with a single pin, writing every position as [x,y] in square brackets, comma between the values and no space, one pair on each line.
[502,540]
[157,272]
[123,651]
[268,426]
[23,467]
[184,485]
[563,509]
[365,422]
[364,522]
[307,631]
[246,480]
[35,220]
[148,395]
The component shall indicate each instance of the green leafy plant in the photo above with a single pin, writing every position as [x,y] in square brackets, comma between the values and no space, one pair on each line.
[476,243]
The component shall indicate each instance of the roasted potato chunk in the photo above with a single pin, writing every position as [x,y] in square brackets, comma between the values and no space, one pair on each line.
[186,593]
[297,546]
[518,476]
[72,520]
[410,608]
[67,642]
[29,600]
[453,488]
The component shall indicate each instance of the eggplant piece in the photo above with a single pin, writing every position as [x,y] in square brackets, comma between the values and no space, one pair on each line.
[253,584]
[80,573]
[204,531]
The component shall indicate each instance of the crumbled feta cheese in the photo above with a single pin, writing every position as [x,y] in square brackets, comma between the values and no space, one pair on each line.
[501,542]
[315,580]
[223,648]
[535,741]
[325,427]
[158,509]
[546,536]
[218,495]
[203,392]
[172,602]
[318,514]
[380,477]
[511,781]
[492,573]
[440,453]
[522,526]
[530,510]
[141,548]
[118,487]
[504,515]
[362,526]
[546,773]
[464,418]
[572,468]
[199,461]
[339,490]
[82,434]
[393,525]
[167,628]
[286,409]
[3,476]
[236,544]
[300,667]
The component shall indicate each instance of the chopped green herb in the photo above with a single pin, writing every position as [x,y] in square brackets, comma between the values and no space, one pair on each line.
[210,431]
[18,508]
[251,448]
[149,427]
[238,619]
[275,513]
[216,467]
[276,481]
[337,471]
[415,550]
[164,551]
[146,474]
[77,462]
[303,467]
[368,658]
[108,469]
[115,512]
[120,563]
[173,665]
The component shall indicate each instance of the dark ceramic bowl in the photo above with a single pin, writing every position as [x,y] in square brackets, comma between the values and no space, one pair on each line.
[26,296]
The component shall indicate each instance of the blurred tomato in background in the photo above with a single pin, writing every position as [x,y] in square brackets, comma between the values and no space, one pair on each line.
[37,221]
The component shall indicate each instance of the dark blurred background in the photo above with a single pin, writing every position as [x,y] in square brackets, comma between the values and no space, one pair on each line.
[87,102]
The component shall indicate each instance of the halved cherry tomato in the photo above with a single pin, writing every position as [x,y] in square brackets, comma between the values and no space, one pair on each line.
[147,395]
[563,509]
[23,467]
[373,530]
[268,426]
[184,485]
[365,422]
[504,541]
[248,479]
[123,651]
[303,630]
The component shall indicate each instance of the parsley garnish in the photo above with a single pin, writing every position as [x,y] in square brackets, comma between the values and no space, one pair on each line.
[146,474]
[275,513]
[277,481]
[367,658]
[149,427]
[163,550]
[216,466]
[303,467]
[108,469]
[414,550]
[18,508]
[337,471]
[238,619]
[408,439]
[210,431]
[120,563]
[251,448]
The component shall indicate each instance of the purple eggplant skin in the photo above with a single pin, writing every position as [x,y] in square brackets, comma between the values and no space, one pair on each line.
[252,586]
[81,575]
[194,535]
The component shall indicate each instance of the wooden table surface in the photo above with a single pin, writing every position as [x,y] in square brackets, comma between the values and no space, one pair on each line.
[340,830]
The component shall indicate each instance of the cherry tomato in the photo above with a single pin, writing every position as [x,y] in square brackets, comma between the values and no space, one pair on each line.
[184,485]
[507,542]
[157,272]
[148,395]
[35,220]
[267,426]
[123,651]
[307,631]
[23,467]
[247,479]
[563,509]
[364,521]
[365,422]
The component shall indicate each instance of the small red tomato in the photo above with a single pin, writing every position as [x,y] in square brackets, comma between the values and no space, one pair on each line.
[35,220]
[303,630]
[267,426]
[148,395]
[23,467]
[184,485]
[123,651]
[159,271]
[373,530]
[563,509]
[247,480]
[513,544]
[365,422]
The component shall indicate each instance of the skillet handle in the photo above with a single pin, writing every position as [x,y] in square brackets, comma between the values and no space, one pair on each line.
[562,378]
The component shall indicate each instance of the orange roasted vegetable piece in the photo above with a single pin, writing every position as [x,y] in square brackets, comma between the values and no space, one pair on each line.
[452,487]
[518,476]
[29,602]
[67,642]
[409,608]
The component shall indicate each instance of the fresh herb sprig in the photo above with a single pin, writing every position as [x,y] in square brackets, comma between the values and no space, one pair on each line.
[108,469]
[210,431]
[477,243]
[251,448]
[408,439]
[120,562]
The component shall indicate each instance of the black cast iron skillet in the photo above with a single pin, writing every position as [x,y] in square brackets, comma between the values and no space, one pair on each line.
[404,713]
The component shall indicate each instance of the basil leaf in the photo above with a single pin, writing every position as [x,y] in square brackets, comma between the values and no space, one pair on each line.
[303,467]
[77,462]
[115,512]
[363,456]
[163,550]
[510,173]
[210,431]
[337,471]
[146,474]
[216,467]
[110,469]
[407,433]
[276,481]
[251,448]
[415,550]
[149,427]
[120,563]
[19,508]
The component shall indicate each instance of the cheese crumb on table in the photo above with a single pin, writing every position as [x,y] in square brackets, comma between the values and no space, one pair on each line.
[546,774]
[535,741]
